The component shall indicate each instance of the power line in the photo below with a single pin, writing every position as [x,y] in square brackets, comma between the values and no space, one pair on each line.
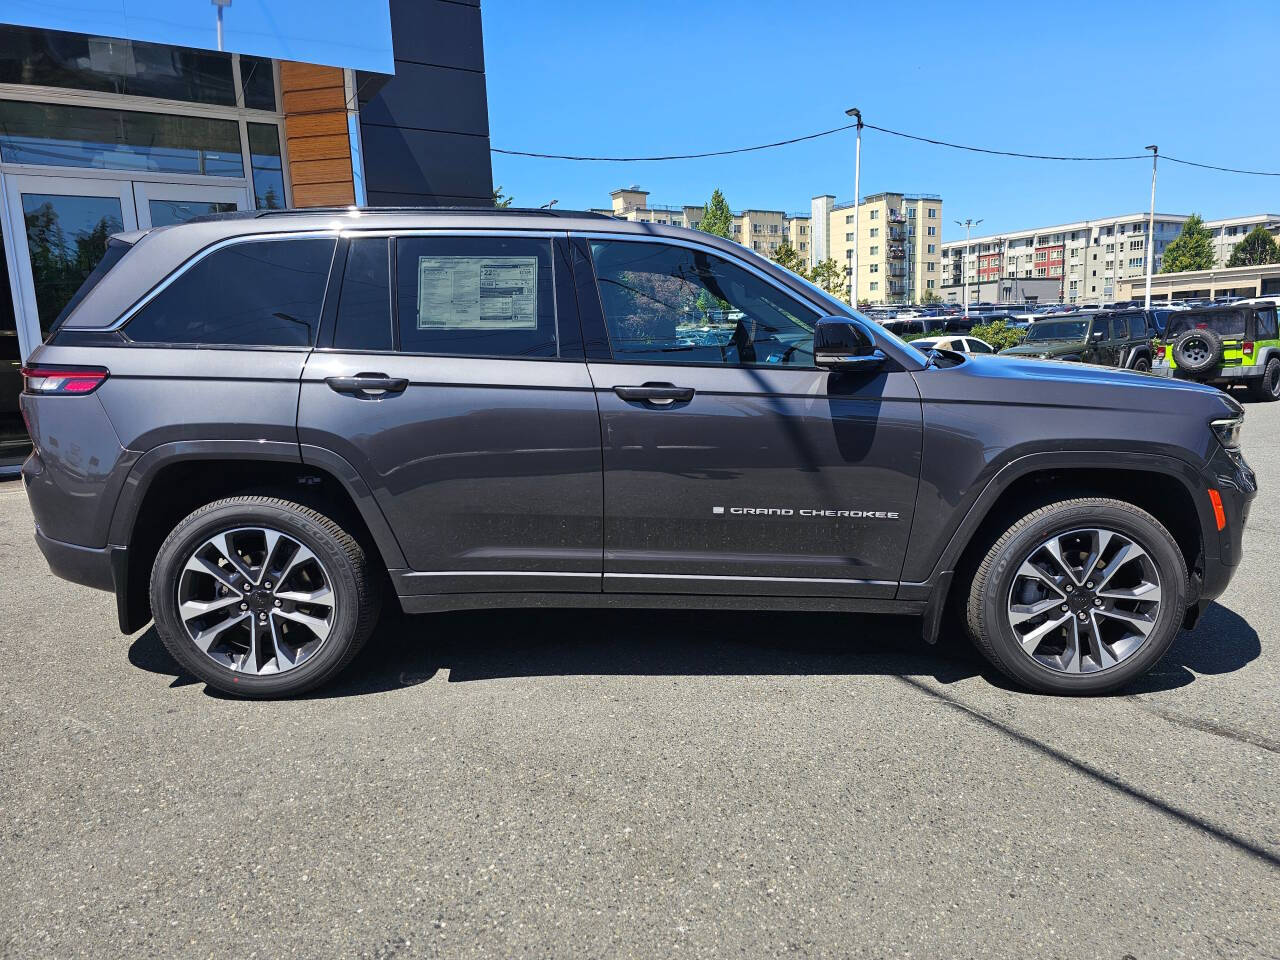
[893,133]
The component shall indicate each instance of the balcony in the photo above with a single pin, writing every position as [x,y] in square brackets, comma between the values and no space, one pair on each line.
[896,218]
[897,253]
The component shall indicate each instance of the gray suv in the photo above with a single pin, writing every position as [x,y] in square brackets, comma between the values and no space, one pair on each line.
[251,428]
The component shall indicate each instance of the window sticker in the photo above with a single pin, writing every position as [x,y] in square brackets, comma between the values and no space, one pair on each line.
[470,293]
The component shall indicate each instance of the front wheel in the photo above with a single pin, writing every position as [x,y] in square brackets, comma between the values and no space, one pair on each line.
[1079,597]
[262,597]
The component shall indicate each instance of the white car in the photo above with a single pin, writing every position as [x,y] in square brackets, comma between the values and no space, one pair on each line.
[959,344]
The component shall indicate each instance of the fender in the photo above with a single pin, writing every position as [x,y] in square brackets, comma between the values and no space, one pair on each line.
[148,466]
[974,513]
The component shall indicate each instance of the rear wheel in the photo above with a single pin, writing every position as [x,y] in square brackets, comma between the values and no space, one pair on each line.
[1142,365]
[1267,387]
[1079,597]
[262,597]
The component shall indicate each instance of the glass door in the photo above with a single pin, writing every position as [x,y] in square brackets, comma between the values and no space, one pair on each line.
[58,232]
[162,204]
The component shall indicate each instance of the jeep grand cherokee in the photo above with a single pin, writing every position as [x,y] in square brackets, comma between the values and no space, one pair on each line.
[248,424]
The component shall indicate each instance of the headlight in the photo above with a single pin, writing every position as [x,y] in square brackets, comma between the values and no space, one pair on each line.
[1228,431]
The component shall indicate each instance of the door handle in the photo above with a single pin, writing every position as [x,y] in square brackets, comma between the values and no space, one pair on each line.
[658,394]
[368,386]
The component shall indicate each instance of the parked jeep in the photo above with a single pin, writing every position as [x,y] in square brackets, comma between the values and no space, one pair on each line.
[1226,345]
[1106,339]
[252,427]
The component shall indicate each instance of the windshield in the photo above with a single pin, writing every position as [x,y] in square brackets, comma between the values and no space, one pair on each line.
[1057,330]
[1222,322]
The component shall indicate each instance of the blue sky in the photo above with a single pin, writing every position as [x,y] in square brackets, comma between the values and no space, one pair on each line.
[628,77]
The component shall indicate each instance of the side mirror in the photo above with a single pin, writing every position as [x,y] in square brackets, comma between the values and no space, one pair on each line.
[842,344]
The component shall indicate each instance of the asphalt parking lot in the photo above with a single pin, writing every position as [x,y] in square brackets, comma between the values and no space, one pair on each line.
[638,784]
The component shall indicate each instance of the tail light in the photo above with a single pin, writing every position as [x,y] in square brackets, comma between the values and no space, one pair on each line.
[62,381]
[1160,352]
[1247,347]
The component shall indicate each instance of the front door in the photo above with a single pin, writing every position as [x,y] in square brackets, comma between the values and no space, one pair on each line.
[162,204]
[455,386]
[732,464]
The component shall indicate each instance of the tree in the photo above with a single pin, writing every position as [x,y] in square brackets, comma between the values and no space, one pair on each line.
[717,218]
[787,256]
[500,199]
[1000,335]
[930,296]
[830,276]
[1257,248]
[1192,249]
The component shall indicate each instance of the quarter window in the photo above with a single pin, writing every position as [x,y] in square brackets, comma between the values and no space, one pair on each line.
[670,304]
[476,296]
[256,293]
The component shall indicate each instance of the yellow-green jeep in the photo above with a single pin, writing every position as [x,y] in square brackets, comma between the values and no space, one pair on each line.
[1238,343]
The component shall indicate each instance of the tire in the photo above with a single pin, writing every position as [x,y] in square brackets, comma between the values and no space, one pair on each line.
[1197,351]
[1142,364]
[1267,387]
[288,636]
[1132,644]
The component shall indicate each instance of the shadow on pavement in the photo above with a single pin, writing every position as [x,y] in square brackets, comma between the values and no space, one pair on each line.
[484,645]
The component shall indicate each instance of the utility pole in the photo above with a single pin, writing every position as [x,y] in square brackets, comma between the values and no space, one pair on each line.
[964,263]
[220,4]
[857,177]
[1151,227]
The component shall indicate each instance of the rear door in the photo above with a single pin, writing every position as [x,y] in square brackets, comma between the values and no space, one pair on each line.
[732,464]
[451,377]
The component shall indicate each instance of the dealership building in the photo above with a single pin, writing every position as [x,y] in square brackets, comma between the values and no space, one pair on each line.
[130,114]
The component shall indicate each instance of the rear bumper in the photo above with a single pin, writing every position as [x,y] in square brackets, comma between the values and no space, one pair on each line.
[90,566]
[1214,375]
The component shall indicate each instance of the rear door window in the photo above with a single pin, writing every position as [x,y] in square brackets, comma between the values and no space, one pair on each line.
[1225,323]
[476,296]
[255,293]
[1267,324]
[364,303]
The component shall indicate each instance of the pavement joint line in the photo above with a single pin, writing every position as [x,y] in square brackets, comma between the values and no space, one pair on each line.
[1228,837]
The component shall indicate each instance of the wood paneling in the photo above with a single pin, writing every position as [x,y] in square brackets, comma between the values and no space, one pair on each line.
[315,125]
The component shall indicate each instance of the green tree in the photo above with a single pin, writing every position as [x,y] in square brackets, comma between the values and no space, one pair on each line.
[830,276]
[930,297]
[500,199]
[787,256]
[1192,249]
[1000,335]
[717,218]
[1257,248]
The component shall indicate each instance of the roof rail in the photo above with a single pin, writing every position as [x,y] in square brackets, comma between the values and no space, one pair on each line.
[494,211]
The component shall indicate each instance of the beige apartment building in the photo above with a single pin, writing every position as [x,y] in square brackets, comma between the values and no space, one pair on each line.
[1089,261]
[763,231]
[899,242]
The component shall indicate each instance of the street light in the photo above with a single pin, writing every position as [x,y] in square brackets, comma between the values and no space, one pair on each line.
[220,4]
[857,176]
[964,263]
[1151,224]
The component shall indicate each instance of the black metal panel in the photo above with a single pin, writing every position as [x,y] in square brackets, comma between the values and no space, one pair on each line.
[425,131]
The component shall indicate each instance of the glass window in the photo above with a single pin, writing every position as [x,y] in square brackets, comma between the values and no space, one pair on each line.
[66,237]
[51,58]
[977,346]
[57,135]
[257,293]
[167,212]
[259,83]
[669,304]
[475,296]
[364,306]
[1119,328]
[1267,324]
[268,170]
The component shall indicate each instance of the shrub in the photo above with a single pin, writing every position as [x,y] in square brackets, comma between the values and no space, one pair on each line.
[999,334]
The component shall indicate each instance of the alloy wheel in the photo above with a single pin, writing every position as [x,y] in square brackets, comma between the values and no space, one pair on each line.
[1084,600]
[256,600]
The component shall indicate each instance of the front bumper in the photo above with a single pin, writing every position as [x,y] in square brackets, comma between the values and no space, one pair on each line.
[1234,479]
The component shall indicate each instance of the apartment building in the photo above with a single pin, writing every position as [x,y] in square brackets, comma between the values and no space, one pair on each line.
[763,231]
[898,244]
[1081,262]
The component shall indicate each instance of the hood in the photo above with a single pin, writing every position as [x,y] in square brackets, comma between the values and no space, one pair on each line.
[1038,347]
[1011,379]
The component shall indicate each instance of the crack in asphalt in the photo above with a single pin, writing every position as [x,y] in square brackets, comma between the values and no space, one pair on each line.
[1209,726]
[1243,844]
